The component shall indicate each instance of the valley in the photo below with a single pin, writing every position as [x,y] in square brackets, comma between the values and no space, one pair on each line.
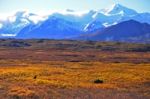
[69,69]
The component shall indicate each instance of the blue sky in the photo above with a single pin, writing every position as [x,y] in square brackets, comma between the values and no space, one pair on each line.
[7,6]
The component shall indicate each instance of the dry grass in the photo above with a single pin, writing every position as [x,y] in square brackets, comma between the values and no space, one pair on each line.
[21,92]
[54,73]
[127,77]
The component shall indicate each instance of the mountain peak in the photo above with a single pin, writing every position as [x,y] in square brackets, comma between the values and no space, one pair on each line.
[117,5]
[120,9]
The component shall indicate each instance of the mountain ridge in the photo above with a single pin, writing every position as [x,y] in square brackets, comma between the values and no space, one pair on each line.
[131,30]
[67,24]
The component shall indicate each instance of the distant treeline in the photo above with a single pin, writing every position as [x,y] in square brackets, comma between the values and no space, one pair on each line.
[74,45]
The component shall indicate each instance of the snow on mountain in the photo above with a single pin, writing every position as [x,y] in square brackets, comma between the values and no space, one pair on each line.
[12,24]
[54,28]
[116,14]
[130,30]
[119,9]
[93,26]
[79,21]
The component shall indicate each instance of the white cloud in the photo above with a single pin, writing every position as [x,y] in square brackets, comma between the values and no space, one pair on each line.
[39,16]
[46,13]
[35,19]
[3,17]
[8,35]
[75,13]
[12,18]
[64,12]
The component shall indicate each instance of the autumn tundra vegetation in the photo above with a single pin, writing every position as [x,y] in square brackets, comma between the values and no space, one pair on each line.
[68,69]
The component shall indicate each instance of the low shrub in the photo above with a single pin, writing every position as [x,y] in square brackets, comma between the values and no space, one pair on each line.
[98,81]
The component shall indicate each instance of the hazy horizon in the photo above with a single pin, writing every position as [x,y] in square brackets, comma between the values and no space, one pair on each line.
[34,6]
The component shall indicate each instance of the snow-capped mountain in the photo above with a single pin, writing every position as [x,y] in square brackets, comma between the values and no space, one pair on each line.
[66,24]
[53,28]
[13,24]
[119,9]
[116,14]
[130,30]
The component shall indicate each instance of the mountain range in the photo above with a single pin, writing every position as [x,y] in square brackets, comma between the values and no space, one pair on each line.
[117,23]
[127,31]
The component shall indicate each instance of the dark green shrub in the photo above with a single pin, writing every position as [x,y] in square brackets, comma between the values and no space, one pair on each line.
[98,81]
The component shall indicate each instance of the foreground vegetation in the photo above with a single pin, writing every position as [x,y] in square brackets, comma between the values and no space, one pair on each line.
[49,69]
